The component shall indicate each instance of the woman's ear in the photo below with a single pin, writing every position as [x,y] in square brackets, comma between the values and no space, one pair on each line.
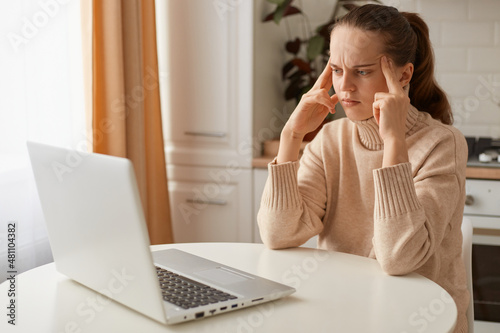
[406,74]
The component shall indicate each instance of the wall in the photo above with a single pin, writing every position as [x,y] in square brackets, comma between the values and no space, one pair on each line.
[268,104]
[466,39]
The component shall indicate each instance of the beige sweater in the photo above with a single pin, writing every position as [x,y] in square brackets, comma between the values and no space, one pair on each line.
[407,216]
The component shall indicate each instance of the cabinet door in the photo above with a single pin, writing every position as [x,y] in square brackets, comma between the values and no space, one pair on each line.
[205,57]
[259,181]
[210,204]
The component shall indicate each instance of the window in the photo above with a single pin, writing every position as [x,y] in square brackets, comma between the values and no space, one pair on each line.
[42,100]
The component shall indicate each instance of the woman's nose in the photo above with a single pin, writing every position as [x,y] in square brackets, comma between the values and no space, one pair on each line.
[347,83]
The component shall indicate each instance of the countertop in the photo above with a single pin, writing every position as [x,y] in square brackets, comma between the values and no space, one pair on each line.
[475,169]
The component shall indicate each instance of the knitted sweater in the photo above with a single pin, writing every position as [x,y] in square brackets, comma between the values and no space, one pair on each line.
[406,216]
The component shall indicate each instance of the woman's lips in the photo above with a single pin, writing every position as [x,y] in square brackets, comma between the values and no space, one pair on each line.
[349,102]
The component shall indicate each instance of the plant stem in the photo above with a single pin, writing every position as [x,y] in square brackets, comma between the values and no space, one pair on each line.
[307,23]
[288,32]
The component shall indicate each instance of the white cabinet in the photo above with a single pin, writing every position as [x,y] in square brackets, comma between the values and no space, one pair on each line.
[259,181]
[482,207]
[210,204]
[205,59]
[205,55]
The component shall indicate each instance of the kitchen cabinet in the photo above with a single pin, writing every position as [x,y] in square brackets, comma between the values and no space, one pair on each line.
[482,203]
[205,57]
[210,204]
[259,181]
[482,207]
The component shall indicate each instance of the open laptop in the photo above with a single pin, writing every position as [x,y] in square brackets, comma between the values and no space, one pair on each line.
[99,238]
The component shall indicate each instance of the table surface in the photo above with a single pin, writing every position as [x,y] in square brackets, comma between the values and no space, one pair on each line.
[336,292]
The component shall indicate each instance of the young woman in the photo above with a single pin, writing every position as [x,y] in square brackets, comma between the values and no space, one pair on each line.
[388,181]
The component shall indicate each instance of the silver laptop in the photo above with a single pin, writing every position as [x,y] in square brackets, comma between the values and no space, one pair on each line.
[99,238]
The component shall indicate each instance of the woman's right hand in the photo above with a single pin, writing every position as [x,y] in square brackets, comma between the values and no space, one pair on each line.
[313,107]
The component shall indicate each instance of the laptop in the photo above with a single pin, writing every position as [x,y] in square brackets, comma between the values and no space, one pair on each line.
[99,238]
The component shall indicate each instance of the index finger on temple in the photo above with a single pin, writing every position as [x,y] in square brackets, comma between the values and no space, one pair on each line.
[324,81]
[390,75]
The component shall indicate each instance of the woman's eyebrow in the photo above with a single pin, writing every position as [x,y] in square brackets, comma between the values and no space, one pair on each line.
[356,66]
[365,65]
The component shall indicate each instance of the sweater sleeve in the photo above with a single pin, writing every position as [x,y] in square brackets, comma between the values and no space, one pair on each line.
[413,213]
[293,203]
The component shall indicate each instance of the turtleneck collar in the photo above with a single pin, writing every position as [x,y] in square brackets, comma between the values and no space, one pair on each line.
[369,134]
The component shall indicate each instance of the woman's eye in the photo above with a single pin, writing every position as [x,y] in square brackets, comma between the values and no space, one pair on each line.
[337,71]
[362,73]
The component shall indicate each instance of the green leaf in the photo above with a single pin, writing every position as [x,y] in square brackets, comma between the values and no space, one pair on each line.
[315,47]
[278,14]
[277,2]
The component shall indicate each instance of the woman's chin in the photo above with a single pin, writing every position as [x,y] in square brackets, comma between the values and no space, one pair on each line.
[357,114]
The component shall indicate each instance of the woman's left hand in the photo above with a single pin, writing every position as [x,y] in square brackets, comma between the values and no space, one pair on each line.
[390,109]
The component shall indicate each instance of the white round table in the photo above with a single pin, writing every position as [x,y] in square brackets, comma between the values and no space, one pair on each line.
[336,292]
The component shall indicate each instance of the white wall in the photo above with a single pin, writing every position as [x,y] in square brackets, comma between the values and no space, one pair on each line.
[269,55]
[466,39]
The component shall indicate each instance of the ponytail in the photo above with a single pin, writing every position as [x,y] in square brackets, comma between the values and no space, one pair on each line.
[406,38]
[425,93]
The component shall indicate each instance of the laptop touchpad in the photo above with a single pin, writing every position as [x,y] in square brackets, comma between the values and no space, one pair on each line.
[222,275]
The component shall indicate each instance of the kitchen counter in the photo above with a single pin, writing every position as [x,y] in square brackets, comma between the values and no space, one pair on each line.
[261,162]
[475,170]
[270,152]
[471,172]
[479,170]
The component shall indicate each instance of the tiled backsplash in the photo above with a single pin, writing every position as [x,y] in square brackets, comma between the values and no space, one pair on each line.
[466,39]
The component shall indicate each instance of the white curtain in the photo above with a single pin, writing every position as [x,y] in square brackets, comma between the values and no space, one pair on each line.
[41,99]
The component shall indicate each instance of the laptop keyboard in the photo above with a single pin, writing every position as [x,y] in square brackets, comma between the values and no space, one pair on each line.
[187,293]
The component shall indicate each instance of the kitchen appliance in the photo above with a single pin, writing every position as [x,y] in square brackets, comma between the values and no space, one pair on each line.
[482,207]
[483,152]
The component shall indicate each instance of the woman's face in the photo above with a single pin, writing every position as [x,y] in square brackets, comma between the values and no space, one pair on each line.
[355,59]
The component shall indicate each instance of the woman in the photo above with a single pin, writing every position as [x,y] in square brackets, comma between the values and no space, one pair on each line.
[388,182]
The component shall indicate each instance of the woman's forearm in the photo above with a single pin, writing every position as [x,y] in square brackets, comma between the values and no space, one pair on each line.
[395,152]
[289,148]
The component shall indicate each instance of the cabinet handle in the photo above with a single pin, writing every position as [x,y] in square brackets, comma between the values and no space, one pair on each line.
[469,200]
[209,134]
[208,202]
